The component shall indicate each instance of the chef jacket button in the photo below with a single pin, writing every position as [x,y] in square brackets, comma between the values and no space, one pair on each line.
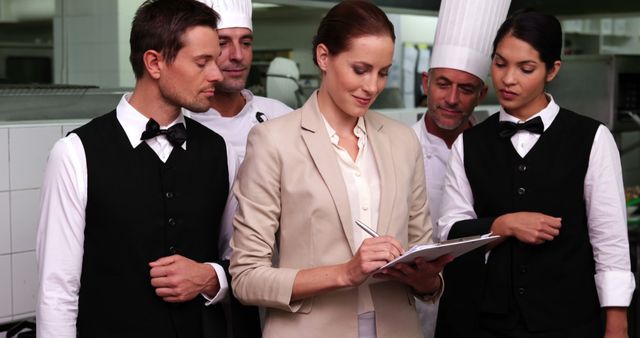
[522,168]
[521,191]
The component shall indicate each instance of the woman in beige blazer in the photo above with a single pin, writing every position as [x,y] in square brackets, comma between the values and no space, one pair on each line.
[310,174]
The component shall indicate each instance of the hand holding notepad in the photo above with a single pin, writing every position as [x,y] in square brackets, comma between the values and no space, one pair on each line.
[454,247]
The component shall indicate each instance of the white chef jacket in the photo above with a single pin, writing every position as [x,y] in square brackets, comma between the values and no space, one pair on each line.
[60,236]
[603,194]
[236,129]
[436,157]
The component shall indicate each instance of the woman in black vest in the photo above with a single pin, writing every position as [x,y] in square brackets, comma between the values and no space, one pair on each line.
[549,181]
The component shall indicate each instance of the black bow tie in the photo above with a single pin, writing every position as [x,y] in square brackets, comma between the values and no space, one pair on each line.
[176,134]
[507,129]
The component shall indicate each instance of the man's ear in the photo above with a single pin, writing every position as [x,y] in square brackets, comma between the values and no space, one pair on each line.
[153,63]
[483,93]
[425,82]
[322,56]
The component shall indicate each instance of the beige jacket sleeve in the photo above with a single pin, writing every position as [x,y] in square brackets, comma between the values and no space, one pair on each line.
[254,279]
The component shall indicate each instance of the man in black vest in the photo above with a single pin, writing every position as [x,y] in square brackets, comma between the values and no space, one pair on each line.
[132,201]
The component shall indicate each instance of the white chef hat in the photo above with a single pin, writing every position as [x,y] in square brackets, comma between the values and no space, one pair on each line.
[465,33]
[233,13]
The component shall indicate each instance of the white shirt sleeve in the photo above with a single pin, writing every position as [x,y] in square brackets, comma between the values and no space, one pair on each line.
[60,239]
[457,197]
[606,214]
[224,285]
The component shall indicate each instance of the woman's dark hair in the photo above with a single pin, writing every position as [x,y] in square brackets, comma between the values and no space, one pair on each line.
[348,20]
[542,31]
[159,25]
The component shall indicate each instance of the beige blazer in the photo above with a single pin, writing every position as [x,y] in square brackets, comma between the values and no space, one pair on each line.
[293,200]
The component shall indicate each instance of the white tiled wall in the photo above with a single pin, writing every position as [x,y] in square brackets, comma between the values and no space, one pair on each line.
[5,225]
[5,287]
[28,150]
[24,219]
[4,159]
[25,282]
[23,154]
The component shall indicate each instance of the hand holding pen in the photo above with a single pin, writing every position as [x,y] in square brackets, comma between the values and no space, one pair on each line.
[422,276]
[372,254]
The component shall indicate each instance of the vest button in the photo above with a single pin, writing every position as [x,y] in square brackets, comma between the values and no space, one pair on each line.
[523,269]
[521,191]
[522,168]
[521,291]
[169,194]
[173,250]
[172,221]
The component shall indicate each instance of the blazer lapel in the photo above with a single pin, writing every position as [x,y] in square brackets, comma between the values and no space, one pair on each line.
[380,145]
[317,141]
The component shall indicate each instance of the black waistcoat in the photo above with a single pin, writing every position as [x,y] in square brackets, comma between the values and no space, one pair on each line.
[138,210]
[549,286]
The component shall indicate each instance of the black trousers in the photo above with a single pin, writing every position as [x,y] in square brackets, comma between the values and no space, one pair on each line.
[590,329]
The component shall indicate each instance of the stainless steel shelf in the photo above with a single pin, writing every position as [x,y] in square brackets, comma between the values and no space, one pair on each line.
[42,89]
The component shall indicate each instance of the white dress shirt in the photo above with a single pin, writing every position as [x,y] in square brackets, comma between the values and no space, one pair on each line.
[362,180]
[603,194]
[60,236]
[236,129]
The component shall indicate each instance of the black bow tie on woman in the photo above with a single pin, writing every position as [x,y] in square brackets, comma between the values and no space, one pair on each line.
[176,134]
[507,129]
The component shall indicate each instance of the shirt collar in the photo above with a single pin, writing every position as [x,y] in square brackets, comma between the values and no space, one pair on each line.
[134,123]
[548,114]
[359,130]
[427,136]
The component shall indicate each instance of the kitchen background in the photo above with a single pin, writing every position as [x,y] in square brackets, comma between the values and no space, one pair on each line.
[65,61]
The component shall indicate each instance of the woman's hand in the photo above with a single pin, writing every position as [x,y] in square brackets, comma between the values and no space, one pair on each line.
[422,276]
[372,254]
[527,227]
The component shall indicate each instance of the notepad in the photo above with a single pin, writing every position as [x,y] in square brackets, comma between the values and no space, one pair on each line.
[454,247]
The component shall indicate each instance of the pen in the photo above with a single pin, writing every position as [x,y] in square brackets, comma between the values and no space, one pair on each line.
[367,229]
